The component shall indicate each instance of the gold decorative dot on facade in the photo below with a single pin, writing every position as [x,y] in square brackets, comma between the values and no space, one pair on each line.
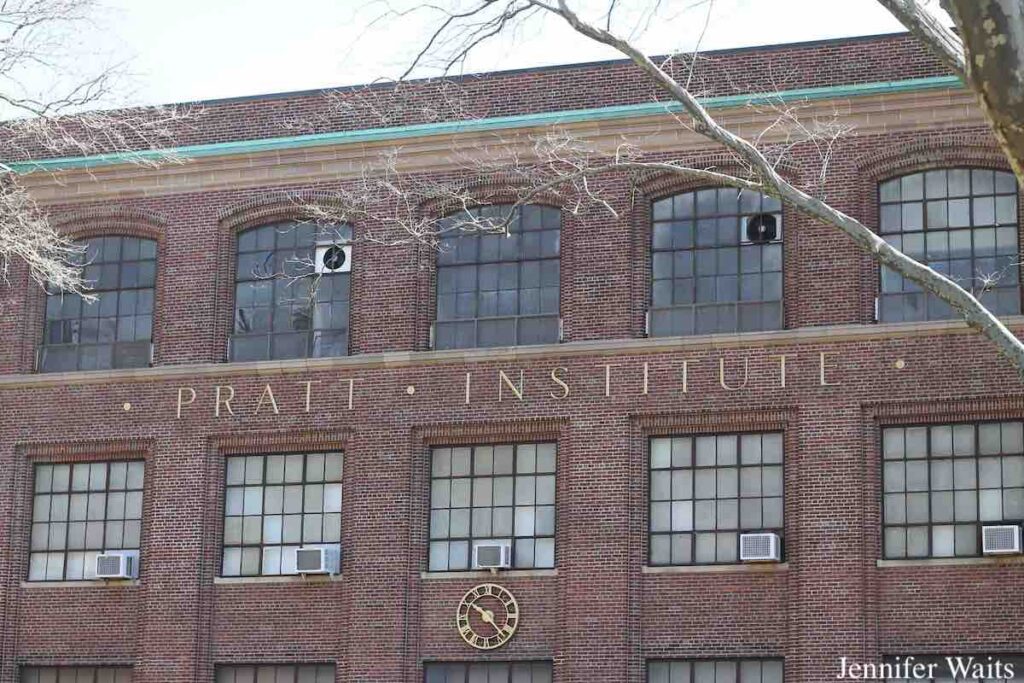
[900,363]
[126,406]
[410,390]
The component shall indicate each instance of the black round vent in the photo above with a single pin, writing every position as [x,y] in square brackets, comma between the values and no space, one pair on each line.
[334,257]
[761,228]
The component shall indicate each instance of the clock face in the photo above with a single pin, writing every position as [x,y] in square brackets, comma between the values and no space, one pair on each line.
[487,616]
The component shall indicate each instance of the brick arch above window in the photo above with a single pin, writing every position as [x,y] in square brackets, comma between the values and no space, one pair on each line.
[275,207]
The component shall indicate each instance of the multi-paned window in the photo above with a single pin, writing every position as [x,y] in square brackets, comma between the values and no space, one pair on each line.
[487,672]
[79,511]
[497,289]
[717,263]
[714,671]
[275,673]
[963,223]
[706,490]
[942,483]
[291,292]
[501,492]
[274,504]
[76,674]
[115,328]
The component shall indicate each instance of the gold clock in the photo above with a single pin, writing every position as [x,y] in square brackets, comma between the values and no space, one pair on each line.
[487,617]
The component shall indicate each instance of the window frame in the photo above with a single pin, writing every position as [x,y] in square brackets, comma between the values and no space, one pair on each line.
[105,520]
[277,666]
[340,234]
[970,197]
[714,660]
[469,663]
[86,243]
[978,523]
[519,261]
[693,468]
[695,249]
[25,669]
[472,476]
[242,545]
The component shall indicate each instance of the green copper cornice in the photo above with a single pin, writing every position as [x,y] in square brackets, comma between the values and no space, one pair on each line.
[487,124]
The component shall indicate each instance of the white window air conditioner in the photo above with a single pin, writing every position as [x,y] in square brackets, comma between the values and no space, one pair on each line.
[333,258]
[764,547]
[1003,539]
[318,559]
[492,554]
[120,564]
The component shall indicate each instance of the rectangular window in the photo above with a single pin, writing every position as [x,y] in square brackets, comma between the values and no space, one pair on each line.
[963,223]
[942,483]
[275,503]
[480,493]
[79,511]
[706,490]
[76,674]
[496,289]
[487,672]
[276,673]
[715,671]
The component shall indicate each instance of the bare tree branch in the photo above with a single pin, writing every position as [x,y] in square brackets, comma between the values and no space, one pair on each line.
[926,26]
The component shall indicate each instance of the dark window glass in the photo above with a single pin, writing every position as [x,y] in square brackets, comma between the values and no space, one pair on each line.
[115,330]
[961,222]
[499,290]
[487,672]
[714,671]
[942,483]
[286,304]
[276,673]
[707,490]
[275,503]
[716,263]
[947,671]
[76,674]
[480,493]
[79,511]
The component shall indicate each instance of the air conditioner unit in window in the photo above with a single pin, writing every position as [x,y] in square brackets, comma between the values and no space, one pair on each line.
[1003,539]
[760,548]
[122,564]
[492,554]
[762,228]
[318,559]
[333,258]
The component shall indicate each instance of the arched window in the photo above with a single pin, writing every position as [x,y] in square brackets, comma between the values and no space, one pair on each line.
[717,263]
[116,329]
[292,292]
[963,223]
[497,290]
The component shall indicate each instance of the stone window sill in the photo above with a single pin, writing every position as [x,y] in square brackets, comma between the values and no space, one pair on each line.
[746,568]
[289,578]
[90,583]
[503,574]
[952,562]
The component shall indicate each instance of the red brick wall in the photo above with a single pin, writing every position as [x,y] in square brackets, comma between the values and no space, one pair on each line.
[600,615]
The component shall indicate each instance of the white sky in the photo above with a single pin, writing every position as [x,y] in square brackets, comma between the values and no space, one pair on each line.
[202,49]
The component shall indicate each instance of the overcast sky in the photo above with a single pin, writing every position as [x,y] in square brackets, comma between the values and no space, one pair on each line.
[203,49]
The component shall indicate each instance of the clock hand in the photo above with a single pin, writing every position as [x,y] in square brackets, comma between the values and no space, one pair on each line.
[486,615]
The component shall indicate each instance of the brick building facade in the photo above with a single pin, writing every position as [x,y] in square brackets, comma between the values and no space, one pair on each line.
[875,443]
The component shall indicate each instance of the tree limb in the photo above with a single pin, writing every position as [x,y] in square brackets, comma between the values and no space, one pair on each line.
[927,27]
